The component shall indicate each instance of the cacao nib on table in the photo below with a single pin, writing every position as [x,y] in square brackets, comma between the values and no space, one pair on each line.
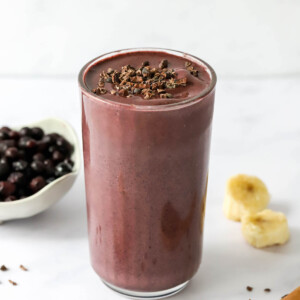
[31,159]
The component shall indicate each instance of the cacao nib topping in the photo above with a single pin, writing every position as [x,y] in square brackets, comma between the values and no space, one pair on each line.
[146,81]
[191,69]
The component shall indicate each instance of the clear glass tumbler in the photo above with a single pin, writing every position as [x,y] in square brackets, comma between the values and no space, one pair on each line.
[146,172]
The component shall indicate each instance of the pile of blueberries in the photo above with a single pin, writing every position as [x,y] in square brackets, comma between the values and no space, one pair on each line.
[31,159]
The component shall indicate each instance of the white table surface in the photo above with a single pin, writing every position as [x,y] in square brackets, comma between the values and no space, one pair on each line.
[256,131]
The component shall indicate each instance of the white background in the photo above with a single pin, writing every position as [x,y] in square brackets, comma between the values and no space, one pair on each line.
[249,37]
[254,47]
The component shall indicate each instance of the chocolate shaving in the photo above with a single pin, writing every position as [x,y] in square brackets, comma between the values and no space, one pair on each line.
[267,290]
[249,288]
[23,268]
[145,81]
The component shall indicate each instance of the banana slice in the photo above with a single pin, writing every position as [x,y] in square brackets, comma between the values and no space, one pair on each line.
[295,295]
[265,228]
[244,194]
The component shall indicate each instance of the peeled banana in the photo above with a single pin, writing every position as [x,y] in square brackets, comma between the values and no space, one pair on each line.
[244,195]
[265,228]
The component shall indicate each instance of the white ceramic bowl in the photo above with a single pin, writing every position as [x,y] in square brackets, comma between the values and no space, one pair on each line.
[53,191]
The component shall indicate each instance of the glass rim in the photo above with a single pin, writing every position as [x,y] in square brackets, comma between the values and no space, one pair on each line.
[186,102]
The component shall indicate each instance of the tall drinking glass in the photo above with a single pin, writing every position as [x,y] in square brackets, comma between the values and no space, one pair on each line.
[146,172]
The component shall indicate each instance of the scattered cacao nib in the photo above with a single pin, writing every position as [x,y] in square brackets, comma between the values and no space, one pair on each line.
[3,268]
[249,288]
[145,81]
[23,268]
[267,290]
[12,282]
[191,69]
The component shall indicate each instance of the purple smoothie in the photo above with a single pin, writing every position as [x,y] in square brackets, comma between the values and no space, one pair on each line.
[146,170]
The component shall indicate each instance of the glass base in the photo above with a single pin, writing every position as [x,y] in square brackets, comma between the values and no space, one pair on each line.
[147,295]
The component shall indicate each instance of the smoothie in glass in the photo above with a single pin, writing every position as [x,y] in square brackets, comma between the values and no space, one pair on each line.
[146,127]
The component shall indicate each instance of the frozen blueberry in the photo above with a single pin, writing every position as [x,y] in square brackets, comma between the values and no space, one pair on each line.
[57,156]
[69,161]
[6,144]
[23,192]
[11,153]
[51,149]
[37,133]
[47,139]
[23,154]
[50,179]
[23,141]
[49,167]
[62,169]
[29,173]
[7,188]
[20,165]
[17,178]
[41,146]
[37,183]
[64,146]
[38,166]
[14,135]
[4,135]
[10,198]
[5,128]
[31,143]
[25,131]
[4,168]
[38,157]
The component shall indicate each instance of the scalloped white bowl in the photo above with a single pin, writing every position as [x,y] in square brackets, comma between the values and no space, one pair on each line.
[53,191]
